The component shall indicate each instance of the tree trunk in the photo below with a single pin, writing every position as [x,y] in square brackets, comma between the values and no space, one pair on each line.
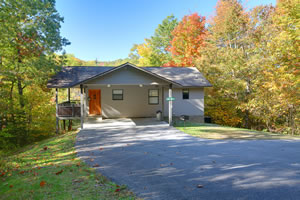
[11,101]
[20,90]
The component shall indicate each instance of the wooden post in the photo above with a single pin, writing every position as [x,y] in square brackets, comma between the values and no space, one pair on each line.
[170,105]
[56,101]
[70,125]
[64,121]
[81,106]
[69,95]
[73,113]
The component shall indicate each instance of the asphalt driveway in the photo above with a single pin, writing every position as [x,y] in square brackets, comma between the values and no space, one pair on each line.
[159,162]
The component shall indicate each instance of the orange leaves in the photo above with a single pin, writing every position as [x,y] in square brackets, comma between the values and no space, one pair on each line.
[42,183]
[188,37]
[21,172]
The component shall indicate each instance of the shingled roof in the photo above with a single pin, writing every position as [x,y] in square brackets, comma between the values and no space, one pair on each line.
[183,76]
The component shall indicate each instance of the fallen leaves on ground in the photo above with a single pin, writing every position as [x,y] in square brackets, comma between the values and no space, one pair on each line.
[59,172]
[42,183]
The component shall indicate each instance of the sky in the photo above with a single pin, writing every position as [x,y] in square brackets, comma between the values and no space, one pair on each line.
[107,29]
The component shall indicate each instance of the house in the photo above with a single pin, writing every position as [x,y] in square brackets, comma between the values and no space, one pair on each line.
[131,91]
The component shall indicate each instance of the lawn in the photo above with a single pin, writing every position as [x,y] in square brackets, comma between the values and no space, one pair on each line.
[214,131]
[51,170]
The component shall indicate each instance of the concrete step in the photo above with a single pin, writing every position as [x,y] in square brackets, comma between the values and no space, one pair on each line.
[93,119]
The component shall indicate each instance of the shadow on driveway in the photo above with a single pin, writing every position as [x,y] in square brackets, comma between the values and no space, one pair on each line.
[160,162]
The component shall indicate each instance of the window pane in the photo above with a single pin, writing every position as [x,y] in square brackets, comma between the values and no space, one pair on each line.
[153,93]
[117,94]
[117,91]
[153,100]
[117,97]
[185,94]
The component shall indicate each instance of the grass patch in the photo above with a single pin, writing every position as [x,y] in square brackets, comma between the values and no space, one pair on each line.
[214,131]
[51,170]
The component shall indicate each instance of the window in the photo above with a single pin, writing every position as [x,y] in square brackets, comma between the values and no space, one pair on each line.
[117,94]
[153,97]
[185,94]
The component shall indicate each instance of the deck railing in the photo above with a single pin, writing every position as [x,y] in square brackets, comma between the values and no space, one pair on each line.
[68,109]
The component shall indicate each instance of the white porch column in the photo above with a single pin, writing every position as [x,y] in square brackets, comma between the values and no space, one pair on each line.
[56,114]
[170,105]
[81,107]
[163,102]
[85,99]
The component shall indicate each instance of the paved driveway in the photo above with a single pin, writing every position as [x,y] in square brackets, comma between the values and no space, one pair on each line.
[159,162]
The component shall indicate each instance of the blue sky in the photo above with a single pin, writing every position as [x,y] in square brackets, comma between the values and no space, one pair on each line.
[107,29]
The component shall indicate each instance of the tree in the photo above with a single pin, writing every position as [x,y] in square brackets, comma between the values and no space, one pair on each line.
[278,89]
[154,51]
[188,38]
[224,63]
[29,37]
[162,39]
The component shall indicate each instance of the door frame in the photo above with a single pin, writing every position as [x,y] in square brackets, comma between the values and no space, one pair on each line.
[89,114]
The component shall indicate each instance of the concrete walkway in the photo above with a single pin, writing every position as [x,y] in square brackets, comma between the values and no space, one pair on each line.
[159,162]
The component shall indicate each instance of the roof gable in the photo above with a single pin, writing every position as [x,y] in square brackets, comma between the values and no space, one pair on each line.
[126,75]
[132,66]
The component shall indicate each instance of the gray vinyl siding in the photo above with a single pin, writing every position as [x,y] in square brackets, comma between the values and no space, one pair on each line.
[194,106]
[134,103]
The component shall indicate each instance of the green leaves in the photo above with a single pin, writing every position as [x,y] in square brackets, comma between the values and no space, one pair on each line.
[29,37]
[154,52]
[250,60]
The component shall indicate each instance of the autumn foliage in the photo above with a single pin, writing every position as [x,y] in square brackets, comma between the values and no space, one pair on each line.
[188,38]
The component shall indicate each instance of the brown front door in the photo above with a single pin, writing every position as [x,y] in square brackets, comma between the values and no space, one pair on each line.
[95,102]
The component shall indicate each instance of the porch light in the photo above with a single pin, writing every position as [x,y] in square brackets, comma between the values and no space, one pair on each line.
[141,85]
[108,85]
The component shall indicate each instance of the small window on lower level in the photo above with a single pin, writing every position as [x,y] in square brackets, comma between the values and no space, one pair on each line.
[153,96]
[185,94]
[117,94]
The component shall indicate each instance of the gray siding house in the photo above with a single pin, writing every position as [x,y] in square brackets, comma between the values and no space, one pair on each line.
[131,91]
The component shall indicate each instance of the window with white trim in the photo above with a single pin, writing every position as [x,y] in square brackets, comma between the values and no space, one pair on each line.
[117,94]
[153,96]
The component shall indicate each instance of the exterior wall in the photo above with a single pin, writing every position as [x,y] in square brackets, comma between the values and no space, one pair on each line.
[193,107]
[135,98]
[134,103]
